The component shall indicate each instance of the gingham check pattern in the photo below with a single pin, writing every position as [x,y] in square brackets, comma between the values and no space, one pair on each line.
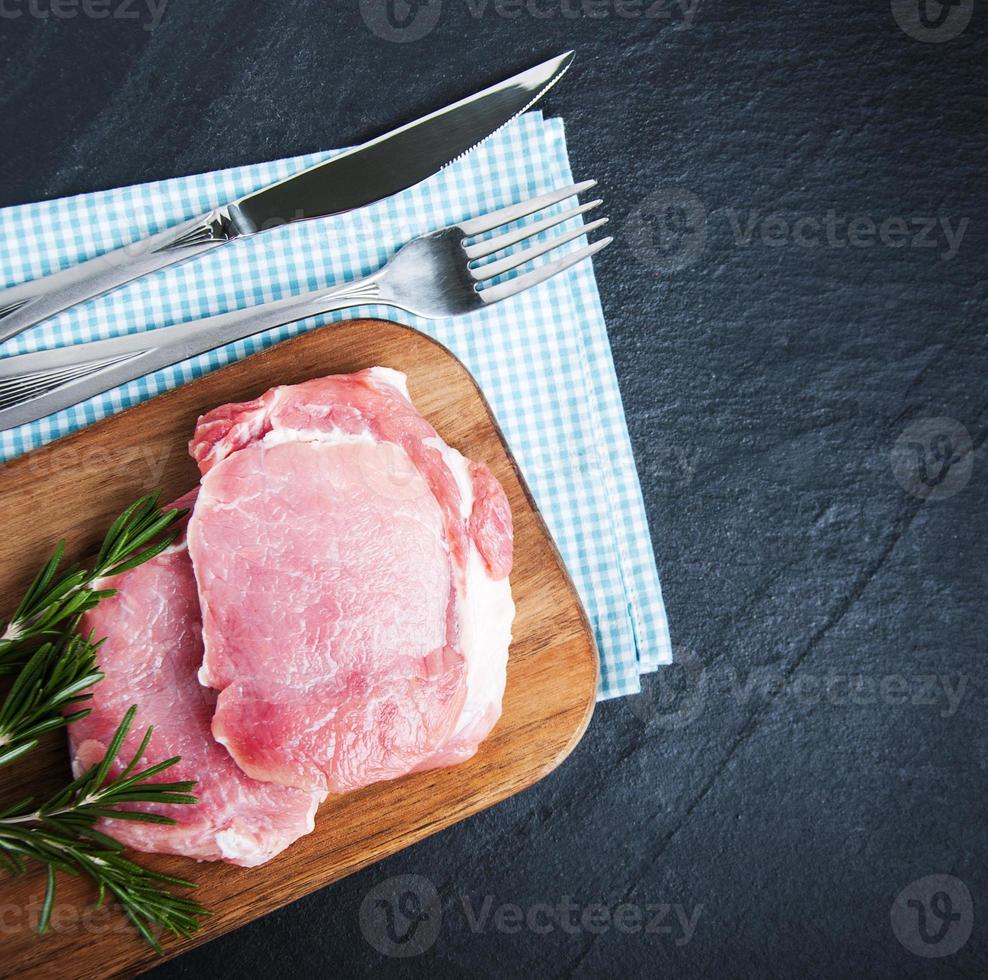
[542,358]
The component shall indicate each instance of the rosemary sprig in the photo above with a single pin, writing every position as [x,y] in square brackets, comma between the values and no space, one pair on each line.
[61,834]
[55,599]
[55,667]
[55,677]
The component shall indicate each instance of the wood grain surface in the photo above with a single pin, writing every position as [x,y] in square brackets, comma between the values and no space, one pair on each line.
[73,488]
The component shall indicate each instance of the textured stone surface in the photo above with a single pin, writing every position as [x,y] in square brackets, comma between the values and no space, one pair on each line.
[766,386]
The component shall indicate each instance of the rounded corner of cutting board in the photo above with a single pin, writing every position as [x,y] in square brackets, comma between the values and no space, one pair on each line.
[91,475]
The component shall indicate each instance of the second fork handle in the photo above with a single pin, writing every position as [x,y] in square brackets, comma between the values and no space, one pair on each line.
[193,337]
[156,349]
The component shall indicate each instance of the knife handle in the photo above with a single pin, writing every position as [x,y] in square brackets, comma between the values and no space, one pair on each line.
[28,303]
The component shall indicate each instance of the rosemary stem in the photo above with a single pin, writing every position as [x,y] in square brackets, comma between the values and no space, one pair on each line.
[38,816]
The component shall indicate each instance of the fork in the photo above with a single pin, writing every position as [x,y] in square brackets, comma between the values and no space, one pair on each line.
[440,274]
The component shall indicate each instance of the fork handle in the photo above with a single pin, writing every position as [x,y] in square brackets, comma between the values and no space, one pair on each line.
[136,355]
[28,303]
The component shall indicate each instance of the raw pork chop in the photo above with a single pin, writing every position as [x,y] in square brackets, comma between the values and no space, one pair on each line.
[352,572]
[151,655]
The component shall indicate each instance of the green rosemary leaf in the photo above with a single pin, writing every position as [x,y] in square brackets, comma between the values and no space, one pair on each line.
[115,535]
[152,796]
[115,743]
[48,904]
[164,879]
[138,816]
[138,755]
[126,781]
[140,926]
[16,753]
[11,863]
[104,840]
[42,581]
[141,558]
[20,807]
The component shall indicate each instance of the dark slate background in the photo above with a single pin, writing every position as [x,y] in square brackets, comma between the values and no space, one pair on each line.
[822,744]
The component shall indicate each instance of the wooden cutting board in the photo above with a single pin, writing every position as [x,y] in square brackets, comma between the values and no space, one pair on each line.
[73,488]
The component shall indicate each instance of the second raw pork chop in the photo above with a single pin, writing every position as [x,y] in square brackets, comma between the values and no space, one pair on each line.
[352,572]
[151,655]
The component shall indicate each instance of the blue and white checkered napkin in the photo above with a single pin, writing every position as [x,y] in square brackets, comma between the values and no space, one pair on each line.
[542,359]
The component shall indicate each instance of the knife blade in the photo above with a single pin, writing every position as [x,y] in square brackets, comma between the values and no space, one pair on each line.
[368,173]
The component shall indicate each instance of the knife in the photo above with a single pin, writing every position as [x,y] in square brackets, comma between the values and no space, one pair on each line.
[361,176]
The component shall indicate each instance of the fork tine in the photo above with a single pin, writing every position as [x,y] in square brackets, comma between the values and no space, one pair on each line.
[504,290]
[488,222]
[491,245]
[517,259]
